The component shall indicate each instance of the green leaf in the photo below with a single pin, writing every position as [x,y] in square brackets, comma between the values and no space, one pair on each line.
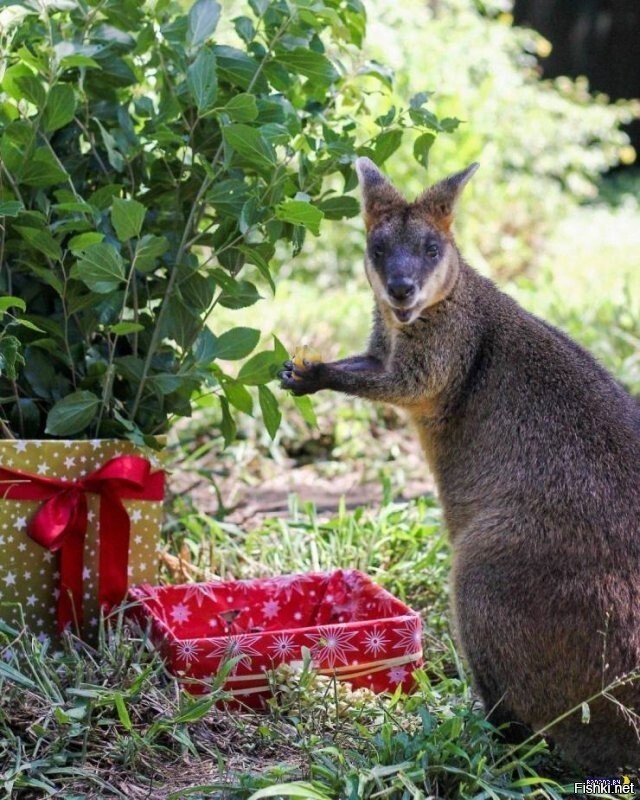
[248,143]
[41,240]
[73,414]
[180,323]
[241,295]
[123,328]
[202,79]
[239,69]
[304,405]
[228,196]
[339,207]
[123,713]
[205,347]
[300,212]
[421,148]
[270,411]
[236,343]
[203,18]
[100,268]
[42,170]
[242,107]
[32,90]
[227,426]
[309,63]
[302,790]
[127,217]
[148,249]
[25,323]
[79,243]
[10,208]
[238,395]
[78,60]
[260,368]
[10,357]
[386,144]
[20,83]
[254,256]
[8,301]
[60,107]
[195,710]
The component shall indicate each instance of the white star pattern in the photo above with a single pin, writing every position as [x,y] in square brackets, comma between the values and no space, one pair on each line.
[409,637]
[31,600]
[282,646]
[20,446]
[43,468]
[397,674]
[70,462]
[270,609]
[331,645]
[240,647]
[21,522]
[288,584]
[180,613]
[375,641]
[10,579]
[187,651]
[136,515]
[199,592]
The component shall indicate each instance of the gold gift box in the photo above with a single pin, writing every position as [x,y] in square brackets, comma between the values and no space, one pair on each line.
[29,574]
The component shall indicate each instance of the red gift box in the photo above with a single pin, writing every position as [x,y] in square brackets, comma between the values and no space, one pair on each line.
[353,628]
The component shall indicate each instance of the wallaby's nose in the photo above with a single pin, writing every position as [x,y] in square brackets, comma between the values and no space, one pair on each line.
[400,288]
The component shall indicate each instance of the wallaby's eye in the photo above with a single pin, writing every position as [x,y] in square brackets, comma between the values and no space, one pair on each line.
[377,250]
[433,251]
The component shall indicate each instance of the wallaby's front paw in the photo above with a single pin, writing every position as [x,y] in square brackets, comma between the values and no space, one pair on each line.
[305,378]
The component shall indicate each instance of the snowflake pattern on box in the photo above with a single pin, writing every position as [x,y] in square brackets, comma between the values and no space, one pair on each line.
[28,574]
[353,628]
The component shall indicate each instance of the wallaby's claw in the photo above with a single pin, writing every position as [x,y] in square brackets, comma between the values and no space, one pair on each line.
[300,379]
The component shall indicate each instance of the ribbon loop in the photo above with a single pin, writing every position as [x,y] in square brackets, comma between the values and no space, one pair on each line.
[60,524]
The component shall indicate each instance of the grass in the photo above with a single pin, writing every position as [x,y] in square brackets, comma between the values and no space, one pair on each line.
[108,721]
[103,721]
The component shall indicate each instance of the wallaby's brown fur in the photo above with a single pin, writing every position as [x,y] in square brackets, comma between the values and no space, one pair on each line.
[535,450]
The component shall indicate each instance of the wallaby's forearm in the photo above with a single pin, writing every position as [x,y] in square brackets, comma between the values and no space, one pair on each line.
[362,376]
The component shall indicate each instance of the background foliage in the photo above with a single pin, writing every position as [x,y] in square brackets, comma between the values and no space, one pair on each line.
[149,168]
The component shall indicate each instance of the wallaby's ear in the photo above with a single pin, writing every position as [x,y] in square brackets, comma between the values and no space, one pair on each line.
[378,195]
[440,199]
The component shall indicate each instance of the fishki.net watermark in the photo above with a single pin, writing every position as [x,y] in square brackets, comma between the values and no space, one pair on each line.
[613,786]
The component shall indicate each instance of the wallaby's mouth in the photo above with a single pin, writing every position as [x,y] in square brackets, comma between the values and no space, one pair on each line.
[403,314]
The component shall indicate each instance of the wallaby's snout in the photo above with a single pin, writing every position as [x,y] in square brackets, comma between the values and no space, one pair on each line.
[401,288]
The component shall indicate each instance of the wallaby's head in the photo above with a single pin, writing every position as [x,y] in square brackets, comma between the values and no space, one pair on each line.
[411,259]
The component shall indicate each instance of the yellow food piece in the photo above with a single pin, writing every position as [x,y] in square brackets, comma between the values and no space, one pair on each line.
[305,353]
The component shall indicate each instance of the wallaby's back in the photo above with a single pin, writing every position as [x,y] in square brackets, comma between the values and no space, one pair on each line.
[535,450]
[537,468]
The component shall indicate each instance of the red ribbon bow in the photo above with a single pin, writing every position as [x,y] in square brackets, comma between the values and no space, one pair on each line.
[61,524]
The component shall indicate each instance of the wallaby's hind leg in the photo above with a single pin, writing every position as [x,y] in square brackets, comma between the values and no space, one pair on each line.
[604,745]
[506,723]
[499,714]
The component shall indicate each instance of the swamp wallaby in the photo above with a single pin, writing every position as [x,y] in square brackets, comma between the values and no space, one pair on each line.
[535,450]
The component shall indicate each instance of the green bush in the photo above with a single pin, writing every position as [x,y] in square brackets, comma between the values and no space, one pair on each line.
[151,160]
